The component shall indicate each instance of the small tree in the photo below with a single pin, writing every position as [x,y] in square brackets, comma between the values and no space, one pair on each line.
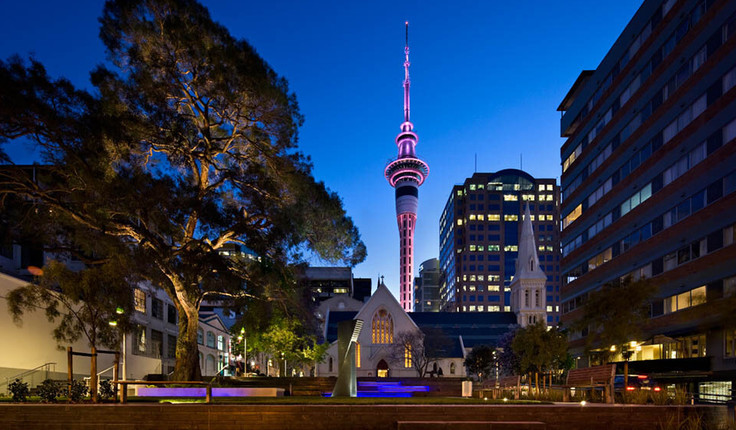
[288,340]
[539,349]
[82,303]
[480,361]
[614,315]
[419,348]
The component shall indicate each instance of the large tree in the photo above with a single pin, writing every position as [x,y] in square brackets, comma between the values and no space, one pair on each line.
[186,148]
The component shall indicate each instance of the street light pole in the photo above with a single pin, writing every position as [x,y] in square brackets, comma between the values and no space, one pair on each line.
[245,358]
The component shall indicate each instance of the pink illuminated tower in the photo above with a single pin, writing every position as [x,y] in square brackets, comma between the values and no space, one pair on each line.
[406,174]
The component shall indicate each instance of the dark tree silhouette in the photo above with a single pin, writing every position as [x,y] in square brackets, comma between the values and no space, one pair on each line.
[186,149]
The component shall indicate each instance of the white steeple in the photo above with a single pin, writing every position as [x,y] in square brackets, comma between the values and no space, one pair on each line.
[528,293]
[527,264]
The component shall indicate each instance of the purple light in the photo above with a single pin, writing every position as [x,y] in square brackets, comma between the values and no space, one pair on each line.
[202,392]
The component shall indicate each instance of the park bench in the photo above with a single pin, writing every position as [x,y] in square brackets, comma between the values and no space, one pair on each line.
[591,378]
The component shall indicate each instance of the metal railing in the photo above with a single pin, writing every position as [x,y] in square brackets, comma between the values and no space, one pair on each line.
[87,378]
[46,368]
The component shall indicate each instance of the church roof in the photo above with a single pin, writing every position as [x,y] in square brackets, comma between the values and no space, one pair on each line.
[476,328]
[527,263]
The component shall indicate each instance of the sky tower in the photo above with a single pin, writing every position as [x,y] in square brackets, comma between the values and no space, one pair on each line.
[406,173]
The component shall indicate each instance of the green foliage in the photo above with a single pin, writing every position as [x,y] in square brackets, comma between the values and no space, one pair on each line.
[289,339]
[615,314]
[107,391]
[84,302]
[481,361]
[48,391]
[78,391]
[539,349]
[186,148]
[19,390]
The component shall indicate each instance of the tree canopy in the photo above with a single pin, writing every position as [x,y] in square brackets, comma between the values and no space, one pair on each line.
[481,361]
[615,314]
[186,148]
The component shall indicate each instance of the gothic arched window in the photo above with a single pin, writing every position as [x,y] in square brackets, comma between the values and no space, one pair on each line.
[382,327]
[531,264]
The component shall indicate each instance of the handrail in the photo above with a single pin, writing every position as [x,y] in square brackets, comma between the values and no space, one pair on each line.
[100,373]
[28,372]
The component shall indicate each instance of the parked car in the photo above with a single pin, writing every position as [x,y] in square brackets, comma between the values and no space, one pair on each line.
[636,382]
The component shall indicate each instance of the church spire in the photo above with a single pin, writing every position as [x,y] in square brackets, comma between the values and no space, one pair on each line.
[528,292]
[527,263]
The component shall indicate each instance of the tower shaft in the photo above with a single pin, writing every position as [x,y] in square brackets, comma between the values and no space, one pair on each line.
[406,173]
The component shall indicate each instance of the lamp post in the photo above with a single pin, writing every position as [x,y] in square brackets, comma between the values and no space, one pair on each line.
[245,361]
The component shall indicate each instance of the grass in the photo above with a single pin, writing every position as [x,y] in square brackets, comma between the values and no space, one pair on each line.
[312,400]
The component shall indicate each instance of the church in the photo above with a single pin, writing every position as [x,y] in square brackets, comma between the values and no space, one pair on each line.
[385,321]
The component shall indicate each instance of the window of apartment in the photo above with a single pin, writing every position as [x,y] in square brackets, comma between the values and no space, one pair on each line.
[684,300]
[170,346]
[210,339]
[730,347]
[139,299]
[599,259]
[510,217]
[157,308]
[139,340]
[171,314]
[572,216]
[636,199]
[686,347]
[510,197]
[157,343]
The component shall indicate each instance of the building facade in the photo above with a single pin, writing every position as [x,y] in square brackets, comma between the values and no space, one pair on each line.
[427,287]
[648,181]
[479,240]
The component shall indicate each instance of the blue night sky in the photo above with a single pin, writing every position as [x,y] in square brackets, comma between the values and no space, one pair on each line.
[487,77]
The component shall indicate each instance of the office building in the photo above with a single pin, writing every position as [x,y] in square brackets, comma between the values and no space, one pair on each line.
[479,240]
[648,181]
[427,287]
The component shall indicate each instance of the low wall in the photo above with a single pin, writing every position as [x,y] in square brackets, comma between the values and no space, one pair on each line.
[202,391]
[368,417]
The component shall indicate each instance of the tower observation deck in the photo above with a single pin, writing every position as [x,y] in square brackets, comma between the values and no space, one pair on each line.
[406,173]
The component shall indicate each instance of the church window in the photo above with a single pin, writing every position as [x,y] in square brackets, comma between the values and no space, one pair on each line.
[526,298]
[531,264]
[357,354]
[329,366]
[407,355]
[536,299]
[382,327]
[452,368]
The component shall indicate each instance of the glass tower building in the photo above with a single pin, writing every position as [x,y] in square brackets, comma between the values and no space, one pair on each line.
[479,240]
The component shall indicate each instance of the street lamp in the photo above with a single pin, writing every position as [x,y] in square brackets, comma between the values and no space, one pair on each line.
[245,361]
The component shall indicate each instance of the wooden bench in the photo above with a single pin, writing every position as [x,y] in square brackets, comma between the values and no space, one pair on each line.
[591,378]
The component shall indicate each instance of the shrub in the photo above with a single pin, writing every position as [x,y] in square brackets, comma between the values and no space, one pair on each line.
[106,390]
[48,391]
[19,390]
[78,391]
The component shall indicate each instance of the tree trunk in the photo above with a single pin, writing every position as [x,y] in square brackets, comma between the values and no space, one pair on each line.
[93,376]
[187,351]
[536,383]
